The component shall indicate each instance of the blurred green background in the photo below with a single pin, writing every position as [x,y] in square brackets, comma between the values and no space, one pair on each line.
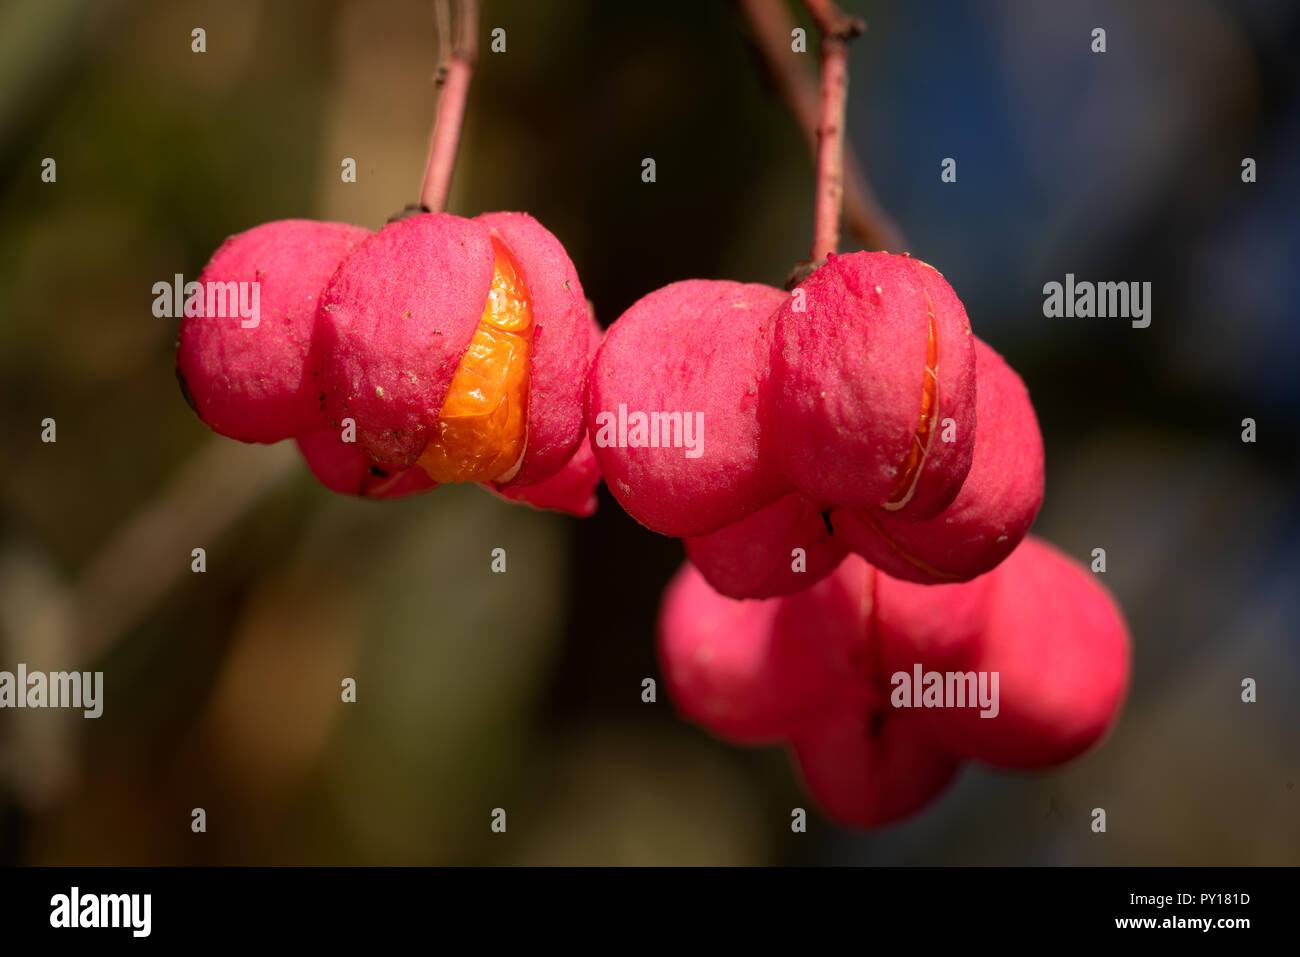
[522,690]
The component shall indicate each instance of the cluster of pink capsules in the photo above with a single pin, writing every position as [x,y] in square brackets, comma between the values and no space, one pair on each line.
[438,349]
[853,472]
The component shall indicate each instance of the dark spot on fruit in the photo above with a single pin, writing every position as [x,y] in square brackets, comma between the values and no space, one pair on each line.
[376,471]
[566,284]
[800,272]
[826,520]
[407,211]
[185,391]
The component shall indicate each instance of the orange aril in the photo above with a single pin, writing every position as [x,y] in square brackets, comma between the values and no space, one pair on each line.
[910,472]
[482,428]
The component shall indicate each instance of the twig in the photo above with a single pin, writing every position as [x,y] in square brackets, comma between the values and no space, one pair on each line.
[453,79]
[830,132]
[863,215]
[442,27]
[150,553]
[833,22]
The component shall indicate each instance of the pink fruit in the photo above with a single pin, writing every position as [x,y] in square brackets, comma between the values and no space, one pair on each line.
[694,356]
[248,378]
[994,509]
[867,771]
[461,346]
[397,318]
[342,467]
[753,671]
[756,557]
[1054,636]
[818,669]
[800,669]
[571,490]
[845,419]
[394,323]
[871,359]
[560,346]
[992,513]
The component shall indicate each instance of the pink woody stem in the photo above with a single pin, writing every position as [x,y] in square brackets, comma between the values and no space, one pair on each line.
[771,25]
[837,31]
[453,78]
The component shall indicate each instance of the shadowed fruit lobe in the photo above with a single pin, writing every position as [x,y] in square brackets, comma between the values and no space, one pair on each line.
[482,428]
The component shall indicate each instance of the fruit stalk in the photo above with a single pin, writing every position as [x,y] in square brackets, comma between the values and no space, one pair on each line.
[453,78]
[771,24]
[837,31]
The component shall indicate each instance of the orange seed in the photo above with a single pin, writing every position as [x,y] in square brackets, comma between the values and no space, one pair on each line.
[482,428]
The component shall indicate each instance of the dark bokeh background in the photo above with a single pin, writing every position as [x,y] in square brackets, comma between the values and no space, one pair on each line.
[522,690]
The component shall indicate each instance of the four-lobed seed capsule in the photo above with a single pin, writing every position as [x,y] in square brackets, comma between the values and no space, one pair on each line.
[439,349]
